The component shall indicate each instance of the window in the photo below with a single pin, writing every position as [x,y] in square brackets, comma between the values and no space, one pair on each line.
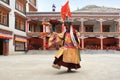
[89,28]
[19,46]
[20,7]
[106,28]
[6,1]
[20,24]
[31,28]
[41,28]
[3,18]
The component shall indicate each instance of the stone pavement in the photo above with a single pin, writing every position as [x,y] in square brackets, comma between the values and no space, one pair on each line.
[38,67]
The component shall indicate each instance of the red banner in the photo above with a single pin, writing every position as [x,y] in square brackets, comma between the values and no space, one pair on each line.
[65,11]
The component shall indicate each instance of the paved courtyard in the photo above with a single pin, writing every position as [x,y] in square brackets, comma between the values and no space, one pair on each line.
[38,67]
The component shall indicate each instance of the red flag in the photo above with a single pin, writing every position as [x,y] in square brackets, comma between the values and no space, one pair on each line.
[65,10]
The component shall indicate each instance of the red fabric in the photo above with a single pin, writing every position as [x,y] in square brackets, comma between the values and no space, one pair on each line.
[65,10]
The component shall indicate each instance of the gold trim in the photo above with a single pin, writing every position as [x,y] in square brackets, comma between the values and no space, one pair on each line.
[46,23]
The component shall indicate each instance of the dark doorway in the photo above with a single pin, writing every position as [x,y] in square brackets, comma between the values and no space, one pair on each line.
[1,46]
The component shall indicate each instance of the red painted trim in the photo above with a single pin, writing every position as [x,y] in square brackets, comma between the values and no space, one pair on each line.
[26,26]
[5,37]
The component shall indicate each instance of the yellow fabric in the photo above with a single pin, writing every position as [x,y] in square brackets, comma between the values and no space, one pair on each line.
[60,35]
[58,40]
[20,39]
[70,55]
[60,52]
[50,39]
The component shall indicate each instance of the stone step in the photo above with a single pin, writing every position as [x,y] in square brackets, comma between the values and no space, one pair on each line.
[82,51]
[41,51]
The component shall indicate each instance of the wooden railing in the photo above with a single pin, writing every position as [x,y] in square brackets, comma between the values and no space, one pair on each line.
[97,34]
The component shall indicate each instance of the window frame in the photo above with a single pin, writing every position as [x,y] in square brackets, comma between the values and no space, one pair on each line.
[87,28]
[22,46]
[20,7]
[106,28]
[4,18]
[20,24]
[6,1]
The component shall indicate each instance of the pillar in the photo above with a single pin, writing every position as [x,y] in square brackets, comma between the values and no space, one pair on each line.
[101,23]
[119,26]
[83,46]
[6,47]
[118,20]
[119,42]
[101,27]
[27,26]
[101,42]
[27,30]
[82,25]
[44,39]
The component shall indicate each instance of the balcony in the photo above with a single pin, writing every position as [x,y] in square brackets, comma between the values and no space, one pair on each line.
[98,34]
[37,34]
[21,6]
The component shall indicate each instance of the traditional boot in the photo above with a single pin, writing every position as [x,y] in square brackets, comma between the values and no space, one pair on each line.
[56,66]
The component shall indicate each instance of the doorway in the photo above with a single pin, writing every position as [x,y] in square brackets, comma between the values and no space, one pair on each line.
[1,46]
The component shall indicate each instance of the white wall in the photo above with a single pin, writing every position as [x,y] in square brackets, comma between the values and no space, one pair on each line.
[27,6]
[12,26]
